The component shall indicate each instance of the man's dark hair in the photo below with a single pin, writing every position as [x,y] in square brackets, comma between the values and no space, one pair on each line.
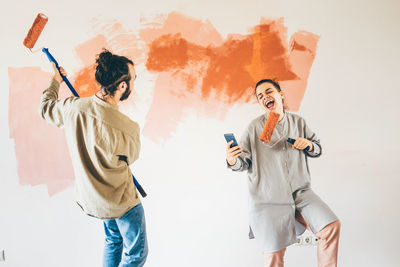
[111,70]
[274,83]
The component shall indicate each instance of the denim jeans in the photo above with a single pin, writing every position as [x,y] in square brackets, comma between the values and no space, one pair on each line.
[126,234]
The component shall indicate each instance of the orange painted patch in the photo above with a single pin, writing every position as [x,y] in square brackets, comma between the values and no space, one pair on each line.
[168,53]
[197,70]
[238,63]
[85,82]
[222,70]
[198,62]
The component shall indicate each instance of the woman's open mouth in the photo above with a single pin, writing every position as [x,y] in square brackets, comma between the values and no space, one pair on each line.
[270,104]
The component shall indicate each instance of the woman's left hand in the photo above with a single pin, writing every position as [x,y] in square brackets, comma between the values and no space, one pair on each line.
[301,143]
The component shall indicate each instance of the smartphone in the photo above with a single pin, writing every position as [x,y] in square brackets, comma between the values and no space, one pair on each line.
[229,137]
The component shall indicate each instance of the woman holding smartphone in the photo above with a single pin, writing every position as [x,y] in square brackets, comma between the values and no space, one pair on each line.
[281,201]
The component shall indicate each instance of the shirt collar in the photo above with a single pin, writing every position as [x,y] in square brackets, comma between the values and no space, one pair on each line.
[103,103]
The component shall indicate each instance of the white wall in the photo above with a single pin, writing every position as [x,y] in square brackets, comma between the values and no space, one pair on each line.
[196,209]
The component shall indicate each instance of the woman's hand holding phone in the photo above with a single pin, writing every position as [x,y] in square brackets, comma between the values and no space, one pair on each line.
[232,153]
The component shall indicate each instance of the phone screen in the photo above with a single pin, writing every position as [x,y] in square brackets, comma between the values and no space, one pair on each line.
[229,137]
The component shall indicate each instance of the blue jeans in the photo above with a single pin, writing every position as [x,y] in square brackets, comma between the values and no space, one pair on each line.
[127,232]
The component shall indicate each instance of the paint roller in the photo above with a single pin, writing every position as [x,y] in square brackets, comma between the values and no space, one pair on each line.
[269,127]
[30,41]
[33,36]
[35,30]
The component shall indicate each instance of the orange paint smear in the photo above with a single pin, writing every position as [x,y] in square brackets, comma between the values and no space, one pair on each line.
[174,51]
[85,82]
[223,71]
[197,70]
[303,47]
[238,63]
[201,63]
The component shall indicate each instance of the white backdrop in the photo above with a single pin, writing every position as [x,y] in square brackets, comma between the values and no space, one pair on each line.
[196,210]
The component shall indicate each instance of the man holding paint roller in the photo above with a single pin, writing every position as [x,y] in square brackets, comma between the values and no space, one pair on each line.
[281,201]
[103,142]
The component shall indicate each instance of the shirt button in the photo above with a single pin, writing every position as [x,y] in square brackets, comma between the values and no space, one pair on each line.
[283,148]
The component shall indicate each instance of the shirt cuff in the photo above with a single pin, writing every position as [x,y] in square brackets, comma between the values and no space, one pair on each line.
[54,84]
[316,150]
[236,166]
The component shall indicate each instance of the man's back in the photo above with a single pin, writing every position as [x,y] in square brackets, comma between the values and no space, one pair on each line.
[102,142]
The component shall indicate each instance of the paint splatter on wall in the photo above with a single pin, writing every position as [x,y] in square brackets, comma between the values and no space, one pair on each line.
[197,69]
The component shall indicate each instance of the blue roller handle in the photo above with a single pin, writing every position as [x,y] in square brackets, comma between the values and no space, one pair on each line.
[139,187]
[52,59]
[291,140]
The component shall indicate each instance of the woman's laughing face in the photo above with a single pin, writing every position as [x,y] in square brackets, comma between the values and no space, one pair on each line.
[269,98]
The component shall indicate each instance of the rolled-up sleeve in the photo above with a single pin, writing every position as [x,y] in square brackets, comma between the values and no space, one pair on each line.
[311,136]
[243,162]
[128,144]
[134,147]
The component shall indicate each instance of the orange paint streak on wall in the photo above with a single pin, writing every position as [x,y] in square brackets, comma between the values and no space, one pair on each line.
[197,70]
[85,82]
[236,65]
[192,52]
[303,47]
[225,71]
[174,51]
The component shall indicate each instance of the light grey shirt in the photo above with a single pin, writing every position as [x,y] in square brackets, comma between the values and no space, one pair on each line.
[275,172]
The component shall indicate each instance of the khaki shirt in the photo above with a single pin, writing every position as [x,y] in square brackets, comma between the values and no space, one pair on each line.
[102,143]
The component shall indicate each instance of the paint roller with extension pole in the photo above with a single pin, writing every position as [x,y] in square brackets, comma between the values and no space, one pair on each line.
[29,42]
[33,36]
[269,127]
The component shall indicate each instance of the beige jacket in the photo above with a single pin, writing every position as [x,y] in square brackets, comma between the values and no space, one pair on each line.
[102,142]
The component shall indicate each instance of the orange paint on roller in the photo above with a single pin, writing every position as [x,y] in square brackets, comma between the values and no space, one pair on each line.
[35,30]
[269,127]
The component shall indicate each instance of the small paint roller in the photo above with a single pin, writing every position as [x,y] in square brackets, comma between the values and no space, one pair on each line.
[269,127]
[35,30]
[30,41]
